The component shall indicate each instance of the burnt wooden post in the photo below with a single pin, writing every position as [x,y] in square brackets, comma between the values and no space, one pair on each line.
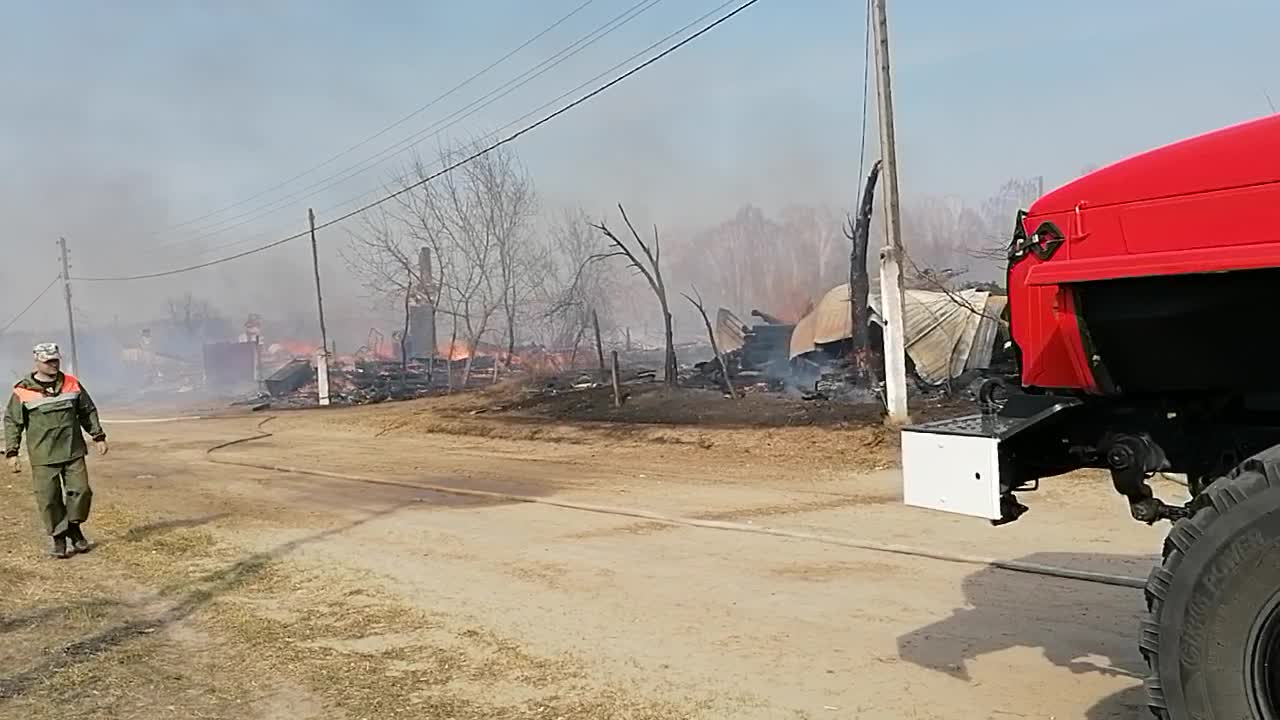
[595,322]
[617,388]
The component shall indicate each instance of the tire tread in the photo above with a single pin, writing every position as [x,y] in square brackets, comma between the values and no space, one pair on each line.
[1244,482]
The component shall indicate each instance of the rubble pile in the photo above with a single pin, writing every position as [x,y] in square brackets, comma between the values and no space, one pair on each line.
[365,381]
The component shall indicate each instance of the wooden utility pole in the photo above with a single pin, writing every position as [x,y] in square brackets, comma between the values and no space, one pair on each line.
[315,264]
[891,306]
[322,358]
[66,291]
[595,322]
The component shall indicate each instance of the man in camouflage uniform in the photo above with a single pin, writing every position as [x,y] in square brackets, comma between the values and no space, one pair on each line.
[52,408]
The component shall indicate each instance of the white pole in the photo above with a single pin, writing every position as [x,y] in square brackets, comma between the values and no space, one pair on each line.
[891,307]
[322,375]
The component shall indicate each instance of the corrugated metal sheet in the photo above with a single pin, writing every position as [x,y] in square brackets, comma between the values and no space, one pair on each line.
[828,322]
[984,342]
[729,334]
[942,330]
[802,336]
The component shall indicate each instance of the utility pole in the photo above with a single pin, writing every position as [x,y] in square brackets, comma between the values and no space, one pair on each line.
[66,291]
[315,264]
[1039,186]
[891,308]
[322,358]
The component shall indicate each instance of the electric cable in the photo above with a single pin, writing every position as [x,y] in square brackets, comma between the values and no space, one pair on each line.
[435,101]
[432,130]
[481,139]
[866,71]
[453,166]
[587,83]
[30,305]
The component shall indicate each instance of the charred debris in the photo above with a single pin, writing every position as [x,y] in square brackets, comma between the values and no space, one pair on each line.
[831,351]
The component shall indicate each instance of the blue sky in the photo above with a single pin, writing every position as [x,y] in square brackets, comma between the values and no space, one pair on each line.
[126,118]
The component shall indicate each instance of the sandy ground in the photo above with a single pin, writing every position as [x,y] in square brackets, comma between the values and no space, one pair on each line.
[226,592]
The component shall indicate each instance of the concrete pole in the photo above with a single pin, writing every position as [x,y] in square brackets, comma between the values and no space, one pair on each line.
[891,306]
[322,376]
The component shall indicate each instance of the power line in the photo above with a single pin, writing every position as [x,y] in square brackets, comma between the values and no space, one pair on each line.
[569,93]
[32,304]
[554,60]
[866,66]
[565,18]
[450,168]
[359,199]
[449,121]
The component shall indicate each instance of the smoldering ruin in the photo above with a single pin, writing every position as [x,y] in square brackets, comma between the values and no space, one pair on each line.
[462,295]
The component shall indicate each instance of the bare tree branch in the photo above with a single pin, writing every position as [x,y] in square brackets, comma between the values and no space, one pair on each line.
[930,278]
[475,225]
[711,334]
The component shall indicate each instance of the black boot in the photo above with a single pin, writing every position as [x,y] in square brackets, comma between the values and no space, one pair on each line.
[59,549]
[79,543]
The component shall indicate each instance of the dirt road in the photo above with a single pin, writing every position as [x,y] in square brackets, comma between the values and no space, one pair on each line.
[222,591]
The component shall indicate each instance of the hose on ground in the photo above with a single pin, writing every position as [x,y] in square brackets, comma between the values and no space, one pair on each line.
[1017,566]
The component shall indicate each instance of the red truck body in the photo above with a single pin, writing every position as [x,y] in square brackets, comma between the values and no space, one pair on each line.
[1143,300]
[1206,204]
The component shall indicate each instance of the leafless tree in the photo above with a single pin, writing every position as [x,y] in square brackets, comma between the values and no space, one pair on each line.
[943,281]
[193,316]
[756,260]
[475,223]
[575,287]
[502,186]
[999,212]
[383,255]
[647,261]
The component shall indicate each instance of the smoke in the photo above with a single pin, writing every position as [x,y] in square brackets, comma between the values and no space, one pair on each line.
[138,117]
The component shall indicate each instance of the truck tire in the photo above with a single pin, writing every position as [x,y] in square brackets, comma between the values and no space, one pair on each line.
[1211,637]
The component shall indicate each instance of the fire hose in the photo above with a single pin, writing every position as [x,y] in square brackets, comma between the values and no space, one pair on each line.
[1017,566]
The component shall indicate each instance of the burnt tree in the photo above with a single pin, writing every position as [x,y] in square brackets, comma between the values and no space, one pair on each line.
[651,269]
[863,356]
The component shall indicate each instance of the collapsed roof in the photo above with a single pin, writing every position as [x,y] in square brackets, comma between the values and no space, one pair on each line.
[946,333]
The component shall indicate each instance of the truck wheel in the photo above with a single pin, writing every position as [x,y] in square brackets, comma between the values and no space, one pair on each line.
[1211,637]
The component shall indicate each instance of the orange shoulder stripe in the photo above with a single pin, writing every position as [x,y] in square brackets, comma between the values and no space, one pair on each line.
[70,383]
[26,394]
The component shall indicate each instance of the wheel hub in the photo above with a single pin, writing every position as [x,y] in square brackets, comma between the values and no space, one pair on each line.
[1263,662]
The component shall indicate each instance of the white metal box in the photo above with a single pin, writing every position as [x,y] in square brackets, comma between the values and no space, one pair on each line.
[951,472]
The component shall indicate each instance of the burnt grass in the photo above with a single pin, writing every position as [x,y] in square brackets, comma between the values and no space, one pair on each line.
[660,405]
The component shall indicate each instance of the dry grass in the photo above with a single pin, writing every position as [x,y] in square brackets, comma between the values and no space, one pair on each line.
[167,618]
[79,635]
[368,656]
